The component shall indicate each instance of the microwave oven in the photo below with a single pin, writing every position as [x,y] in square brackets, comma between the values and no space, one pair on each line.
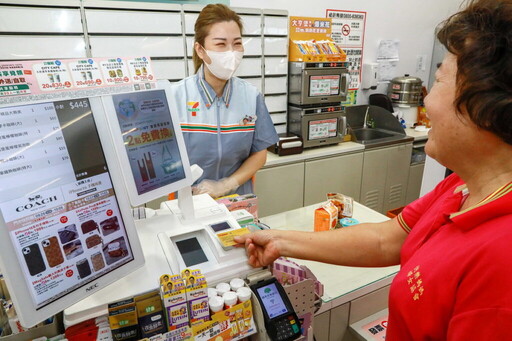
[317,126]
[317,83]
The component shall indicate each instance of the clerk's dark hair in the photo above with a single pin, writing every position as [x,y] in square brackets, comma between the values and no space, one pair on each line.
[211,14]
[480,36]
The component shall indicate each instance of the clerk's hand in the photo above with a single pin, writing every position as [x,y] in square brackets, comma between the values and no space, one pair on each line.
[262,247]
[216,188]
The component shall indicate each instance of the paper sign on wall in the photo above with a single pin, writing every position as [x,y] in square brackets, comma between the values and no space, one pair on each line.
[348,29]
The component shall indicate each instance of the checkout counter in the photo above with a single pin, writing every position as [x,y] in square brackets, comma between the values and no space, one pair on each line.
[351,294]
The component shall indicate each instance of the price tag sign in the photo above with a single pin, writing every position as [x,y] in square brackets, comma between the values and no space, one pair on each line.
[115,71]
[52,75]
[140,70]
[86,73]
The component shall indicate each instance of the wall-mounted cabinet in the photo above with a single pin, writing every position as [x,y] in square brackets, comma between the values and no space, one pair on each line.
[162,31]
[49,20]
[41,47]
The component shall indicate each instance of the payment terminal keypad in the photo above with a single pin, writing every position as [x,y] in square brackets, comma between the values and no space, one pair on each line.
[287,328]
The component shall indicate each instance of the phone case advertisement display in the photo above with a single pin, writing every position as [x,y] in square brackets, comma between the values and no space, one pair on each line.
[57,202]
[348,29]
[147,129]
[40,78]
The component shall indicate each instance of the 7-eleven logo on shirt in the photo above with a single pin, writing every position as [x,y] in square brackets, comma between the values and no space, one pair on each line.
[193,108]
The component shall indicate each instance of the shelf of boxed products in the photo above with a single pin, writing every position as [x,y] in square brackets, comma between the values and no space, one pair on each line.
[187,308]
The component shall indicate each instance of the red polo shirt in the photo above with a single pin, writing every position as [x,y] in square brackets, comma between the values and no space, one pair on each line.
[455,281]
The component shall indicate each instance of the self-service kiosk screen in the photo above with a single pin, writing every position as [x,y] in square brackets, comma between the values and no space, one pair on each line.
[324,85]
[149,139]
[191,251]
[272,300]
[57,200]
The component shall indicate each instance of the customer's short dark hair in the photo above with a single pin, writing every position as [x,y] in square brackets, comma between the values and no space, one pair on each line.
[480,36]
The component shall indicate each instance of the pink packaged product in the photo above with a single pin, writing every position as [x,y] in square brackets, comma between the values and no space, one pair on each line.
[288,272]
[235,202]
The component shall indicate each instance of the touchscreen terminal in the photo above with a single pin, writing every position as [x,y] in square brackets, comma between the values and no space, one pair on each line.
[56,196]
[281,321]
[148,142]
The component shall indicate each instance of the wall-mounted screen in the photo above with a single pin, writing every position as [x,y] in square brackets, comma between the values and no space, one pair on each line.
[64,229]
[149,144]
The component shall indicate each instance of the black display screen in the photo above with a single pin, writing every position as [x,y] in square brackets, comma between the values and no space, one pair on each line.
[220,226]
[191,251]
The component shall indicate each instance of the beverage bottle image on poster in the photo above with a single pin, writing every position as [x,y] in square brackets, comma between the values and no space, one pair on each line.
[149,139]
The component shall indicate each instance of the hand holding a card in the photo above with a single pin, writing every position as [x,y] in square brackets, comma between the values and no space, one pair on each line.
[262,247]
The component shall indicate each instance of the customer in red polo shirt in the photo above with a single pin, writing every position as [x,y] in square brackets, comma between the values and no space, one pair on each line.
[454,244]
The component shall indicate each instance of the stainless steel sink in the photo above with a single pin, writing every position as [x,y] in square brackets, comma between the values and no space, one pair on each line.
[377,137]
[365,134]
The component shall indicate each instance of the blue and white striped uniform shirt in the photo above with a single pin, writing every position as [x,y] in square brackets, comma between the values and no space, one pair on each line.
[221,132]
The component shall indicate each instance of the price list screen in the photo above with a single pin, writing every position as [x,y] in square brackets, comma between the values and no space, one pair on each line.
[57,199]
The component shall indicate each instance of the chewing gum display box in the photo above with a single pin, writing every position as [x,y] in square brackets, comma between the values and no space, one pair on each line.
[150,314]
[248,202]
[122,317]
[326,217]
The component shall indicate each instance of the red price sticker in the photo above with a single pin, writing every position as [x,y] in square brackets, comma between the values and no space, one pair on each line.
[63,219]
[69,273]
[109,212]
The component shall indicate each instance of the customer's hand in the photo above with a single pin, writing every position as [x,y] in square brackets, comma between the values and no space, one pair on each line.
[216,188]
[262,247]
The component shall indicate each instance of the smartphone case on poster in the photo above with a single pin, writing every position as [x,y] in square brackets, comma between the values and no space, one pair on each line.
[52,251]
[34,259]
[83,268]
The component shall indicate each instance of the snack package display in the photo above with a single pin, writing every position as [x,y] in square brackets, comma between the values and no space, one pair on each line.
[150,314]
[122,317]
[343,203]
[248,202]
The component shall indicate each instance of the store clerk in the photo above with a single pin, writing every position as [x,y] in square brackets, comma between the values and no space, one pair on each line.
[225,123]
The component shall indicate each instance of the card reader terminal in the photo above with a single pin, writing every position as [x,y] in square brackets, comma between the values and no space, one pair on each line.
[225,234]
[281,321]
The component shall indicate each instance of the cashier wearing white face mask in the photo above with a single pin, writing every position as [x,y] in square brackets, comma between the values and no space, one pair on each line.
[224,119]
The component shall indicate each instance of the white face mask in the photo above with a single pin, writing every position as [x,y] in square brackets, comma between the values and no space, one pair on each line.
[224,64]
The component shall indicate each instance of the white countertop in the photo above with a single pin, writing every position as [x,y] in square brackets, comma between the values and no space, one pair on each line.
[418,135]
[341,284]
[335,149]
